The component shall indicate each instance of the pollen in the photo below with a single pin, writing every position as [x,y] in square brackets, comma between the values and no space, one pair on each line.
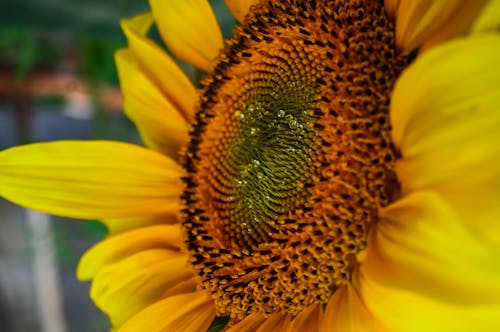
[290,156]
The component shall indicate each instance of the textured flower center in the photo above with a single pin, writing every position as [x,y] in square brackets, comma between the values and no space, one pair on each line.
[290,155]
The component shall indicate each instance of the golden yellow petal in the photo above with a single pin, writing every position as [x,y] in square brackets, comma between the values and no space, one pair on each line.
[308,319]
[446,103]
[477,203]
[275,322]
[124,288]
[489,18]
[346,312]
[248,324]
[187,286]
[424,271]
[90,179]
[421,244]
[118,247]
[446,123]
[185,312]
[160,124]
[407,311]
[417,22]
[457,25]
[189,29]
[239,8]
[158,67]
[120,225]
[391,7]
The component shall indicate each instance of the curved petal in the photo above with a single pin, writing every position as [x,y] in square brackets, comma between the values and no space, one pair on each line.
[90,180]
[459,24]
[489,19]
[446,124]
[391,7]
[429,21]
[248,324]
[420,255]
[185,312]
[187,286]
[421,244]
[239,8]
[120,225]
[308,319]
[190,30]
[124,288]
[275,322]
[160,124]
[158,67]
[126,244]
[446,103]
[346,312]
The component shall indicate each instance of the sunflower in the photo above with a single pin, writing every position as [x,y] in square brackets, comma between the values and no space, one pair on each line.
[325,176]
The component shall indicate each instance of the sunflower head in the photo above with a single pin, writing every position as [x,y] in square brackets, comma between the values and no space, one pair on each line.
[290,155]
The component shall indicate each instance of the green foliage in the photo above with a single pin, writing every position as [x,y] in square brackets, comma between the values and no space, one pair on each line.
[70,234]
[97,58]
[218,324]
[51,102]
[95,230]
[23,50]
[90,17]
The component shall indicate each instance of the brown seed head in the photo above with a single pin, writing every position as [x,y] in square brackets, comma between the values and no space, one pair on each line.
[290,155]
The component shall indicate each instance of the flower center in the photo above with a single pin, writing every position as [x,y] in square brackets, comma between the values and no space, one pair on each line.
[291,155]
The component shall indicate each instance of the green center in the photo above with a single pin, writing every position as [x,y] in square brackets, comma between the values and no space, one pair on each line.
[269,158]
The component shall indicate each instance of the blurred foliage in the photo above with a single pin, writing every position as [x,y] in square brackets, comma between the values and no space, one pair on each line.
[29,31]
[91,17]
[95,229]
[218,324]
[51,102]
[70,235]
[23,50]
[97,58]
[26,24]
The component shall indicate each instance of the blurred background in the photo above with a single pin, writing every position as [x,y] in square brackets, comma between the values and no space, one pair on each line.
[58,81]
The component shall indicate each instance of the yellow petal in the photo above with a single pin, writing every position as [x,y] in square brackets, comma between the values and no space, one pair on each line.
[187,286]
[120,225]
[346,312]
[445,104]
[308,319]
[160,124]
[446,123]
[190,30]
[248,324]
[391,7]
[422,244]
[121,246]
[185,312]
[417,22]
[424,271]
[407,311]
[457,25]
[489,19]
[275,322]
[90,180]
[239,8]
[158,67]
[124,288]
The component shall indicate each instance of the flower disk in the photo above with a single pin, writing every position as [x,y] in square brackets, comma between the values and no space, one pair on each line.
[290,155]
